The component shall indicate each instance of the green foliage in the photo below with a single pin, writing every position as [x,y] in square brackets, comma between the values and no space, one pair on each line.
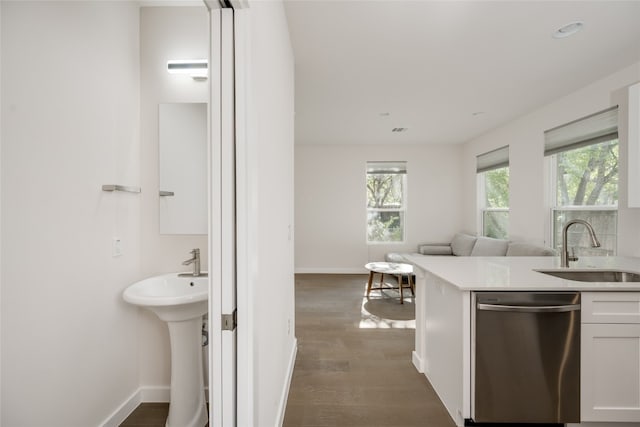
[385,201]
[497,188]
[384,227]
[495,224]
[588,175]
[384,190]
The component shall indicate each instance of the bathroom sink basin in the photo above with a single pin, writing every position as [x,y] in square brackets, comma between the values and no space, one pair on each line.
[171,296]
[593,275]
[181,301]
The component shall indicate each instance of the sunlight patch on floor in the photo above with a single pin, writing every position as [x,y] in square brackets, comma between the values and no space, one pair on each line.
[384,311]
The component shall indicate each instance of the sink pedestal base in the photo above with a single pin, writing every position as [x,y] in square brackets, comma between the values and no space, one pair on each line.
[187,407]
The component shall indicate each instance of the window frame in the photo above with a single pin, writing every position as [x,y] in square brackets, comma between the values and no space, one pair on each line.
[552,197]
[481,193]
[402,210]
[594,208]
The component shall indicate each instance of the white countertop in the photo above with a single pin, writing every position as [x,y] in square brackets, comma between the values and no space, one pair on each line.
[517,273]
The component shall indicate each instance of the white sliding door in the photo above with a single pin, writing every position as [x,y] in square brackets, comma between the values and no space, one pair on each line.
[222,221]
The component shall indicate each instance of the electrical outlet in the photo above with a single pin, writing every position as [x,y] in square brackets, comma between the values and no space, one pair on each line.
[116,247]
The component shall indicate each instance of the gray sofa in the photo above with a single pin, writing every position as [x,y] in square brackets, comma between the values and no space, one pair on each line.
[468,245]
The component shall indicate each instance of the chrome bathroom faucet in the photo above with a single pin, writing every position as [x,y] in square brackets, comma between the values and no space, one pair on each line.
[564,255]
[195,260]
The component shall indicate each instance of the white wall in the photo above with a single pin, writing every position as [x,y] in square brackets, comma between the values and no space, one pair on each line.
[165,33]
[271,308]
[330,201]
[1,214]
[70,81]
[525,137]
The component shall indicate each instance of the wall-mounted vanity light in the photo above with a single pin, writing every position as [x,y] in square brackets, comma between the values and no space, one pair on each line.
[196,68]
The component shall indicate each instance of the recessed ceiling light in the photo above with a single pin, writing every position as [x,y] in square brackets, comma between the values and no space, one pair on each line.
[568,30]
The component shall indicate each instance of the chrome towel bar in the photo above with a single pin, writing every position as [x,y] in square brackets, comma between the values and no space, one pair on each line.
[115,187]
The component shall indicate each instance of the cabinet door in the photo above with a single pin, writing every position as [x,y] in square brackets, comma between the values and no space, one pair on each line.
[610,307]
[610,372]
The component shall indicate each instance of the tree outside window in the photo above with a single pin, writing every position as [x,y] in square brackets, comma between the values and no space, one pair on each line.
[492,168]
[588,176]
[587,188]
[385,201]
[495,215]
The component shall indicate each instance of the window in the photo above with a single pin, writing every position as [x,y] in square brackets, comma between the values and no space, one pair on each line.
[493,192]
[584,166]
[386,201]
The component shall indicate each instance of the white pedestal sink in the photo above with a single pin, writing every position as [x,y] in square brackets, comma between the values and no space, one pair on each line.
[181,301]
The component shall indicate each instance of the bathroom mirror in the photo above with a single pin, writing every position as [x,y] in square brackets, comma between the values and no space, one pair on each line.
[183,168]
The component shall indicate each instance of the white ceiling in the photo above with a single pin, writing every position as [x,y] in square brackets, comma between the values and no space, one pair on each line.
[432,64]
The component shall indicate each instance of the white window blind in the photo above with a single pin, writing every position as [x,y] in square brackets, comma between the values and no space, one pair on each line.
[595,128]
[495,159]
[386,167]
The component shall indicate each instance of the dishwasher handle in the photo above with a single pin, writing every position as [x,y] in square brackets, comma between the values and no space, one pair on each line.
[530,308]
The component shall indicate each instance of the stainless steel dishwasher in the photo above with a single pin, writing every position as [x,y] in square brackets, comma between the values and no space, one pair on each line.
[526,357]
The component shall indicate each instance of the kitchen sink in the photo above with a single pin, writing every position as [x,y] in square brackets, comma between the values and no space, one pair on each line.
[593,275]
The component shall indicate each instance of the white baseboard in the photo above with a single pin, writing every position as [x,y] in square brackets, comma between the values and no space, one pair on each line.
[123,411]
[155,394]
[141,395]
[322,270]
[285,391]
[417,362]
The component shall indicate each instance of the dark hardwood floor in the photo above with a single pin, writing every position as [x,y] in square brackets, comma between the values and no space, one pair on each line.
[353,366]
[148,415]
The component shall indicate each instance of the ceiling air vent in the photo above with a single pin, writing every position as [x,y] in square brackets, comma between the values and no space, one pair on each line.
[399,129]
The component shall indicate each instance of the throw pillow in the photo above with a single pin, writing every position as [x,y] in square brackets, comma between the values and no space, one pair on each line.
[487,246]
[462,244]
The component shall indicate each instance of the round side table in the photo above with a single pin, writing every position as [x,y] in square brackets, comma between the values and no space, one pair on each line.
[394,269]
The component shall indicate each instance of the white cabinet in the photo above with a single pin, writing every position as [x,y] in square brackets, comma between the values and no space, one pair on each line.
[443,339]
[610,371]
[633,146]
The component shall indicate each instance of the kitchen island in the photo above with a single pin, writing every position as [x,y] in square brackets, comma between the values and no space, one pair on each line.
[445,292]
